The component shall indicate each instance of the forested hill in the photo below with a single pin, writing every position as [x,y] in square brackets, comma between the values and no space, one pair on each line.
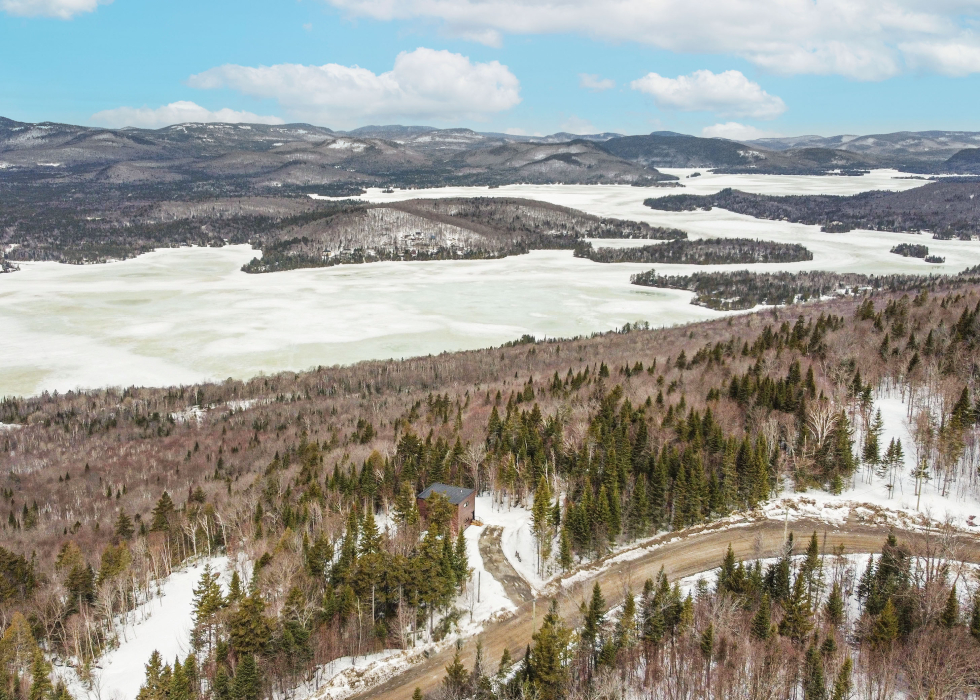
[434,229]
[610,438]
[947,209]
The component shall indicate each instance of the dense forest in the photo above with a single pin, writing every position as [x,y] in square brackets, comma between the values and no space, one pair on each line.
[946,209]
[705,251]
[307,480]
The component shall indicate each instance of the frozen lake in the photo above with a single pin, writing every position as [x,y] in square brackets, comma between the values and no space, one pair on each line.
[183,315]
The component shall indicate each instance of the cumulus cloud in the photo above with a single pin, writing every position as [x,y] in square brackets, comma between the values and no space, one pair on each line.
[174,113]
[862,39]
[423,84]
[735,132]
[729,93]
[594,82]
[62,9]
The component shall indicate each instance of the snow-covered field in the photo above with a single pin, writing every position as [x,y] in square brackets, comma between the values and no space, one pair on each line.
[163,624]
[190,314]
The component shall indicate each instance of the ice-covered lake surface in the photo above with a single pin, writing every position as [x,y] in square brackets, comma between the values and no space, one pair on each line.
[185,315]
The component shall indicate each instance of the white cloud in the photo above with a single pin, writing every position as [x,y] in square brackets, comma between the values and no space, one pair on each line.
[862,39]
[174,113]
[594,82]
[62,9]
[577,125]
[729,93]
[956,59]
[423,84]
[735,132]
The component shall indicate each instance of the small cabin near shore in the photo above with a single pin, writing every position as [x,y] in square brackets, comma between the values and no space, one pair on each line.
[461,499]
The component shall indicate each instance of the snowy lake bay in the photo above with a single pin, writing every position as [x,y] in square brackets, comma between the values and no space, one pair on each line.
[189,314]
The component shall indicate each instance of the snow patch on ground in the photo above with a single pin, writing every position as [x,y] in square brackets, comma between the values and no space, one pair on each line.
[163,624]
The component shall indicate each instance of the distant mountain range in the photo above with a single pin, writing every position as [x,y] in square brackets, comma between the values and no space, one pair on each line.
[230,158]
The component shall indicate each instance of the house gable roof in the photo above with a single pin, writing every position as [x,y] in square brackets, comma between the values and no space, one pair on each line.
[455,494]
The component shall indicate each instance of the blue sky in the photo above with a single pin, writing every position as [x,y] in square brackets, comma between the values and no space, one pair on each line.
[715,67]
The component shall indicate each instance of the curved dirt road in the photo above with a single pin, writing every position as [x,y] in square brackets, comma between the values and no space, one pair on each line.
[680,555]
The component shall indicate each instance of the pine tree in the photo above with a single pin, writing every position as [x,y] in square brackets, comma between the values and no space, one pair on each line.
[208,600]
[221,690]
[814,683]
[975,618]
[594,613]
[810,569]
[842,686]
[565,551]
[549,663]
[797,622]
[162,512]
[626,627]
[248,681]
[370,538]
[950,616]
[153,688]
[417,695]
[505,662]
[249,629]
[460,559]
[456,677]
[41,686]
[762,621]
[124,526]
[179,686]
[835,606]
[884,629]
[871,454]
[707,646]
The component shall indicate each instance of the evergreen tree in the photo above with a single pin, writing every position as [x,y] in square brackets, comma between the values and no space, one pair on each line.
[975,618]
[565,550]
[417,694]
[370,538]
[762,621]
[842,686]
[41,686]
[456,677]
[153,688]
[460,559]
[835,606]
[950,616]
[814,683]
[626,627]
[179,686]
[124,526]
[871,454]
[162,513]
[884,629]
[208,601]
[505,662]
[594,613]
[248,681]
[221,690]
[797,622]
[549,657]
[249,629]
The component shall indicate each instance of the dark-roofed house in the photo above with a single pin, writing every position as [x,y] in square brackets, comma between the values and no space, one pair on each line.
[463,501]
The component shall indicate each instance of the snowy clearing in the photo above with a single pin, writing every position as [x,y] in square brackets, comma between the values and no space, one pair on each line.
[163,624]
